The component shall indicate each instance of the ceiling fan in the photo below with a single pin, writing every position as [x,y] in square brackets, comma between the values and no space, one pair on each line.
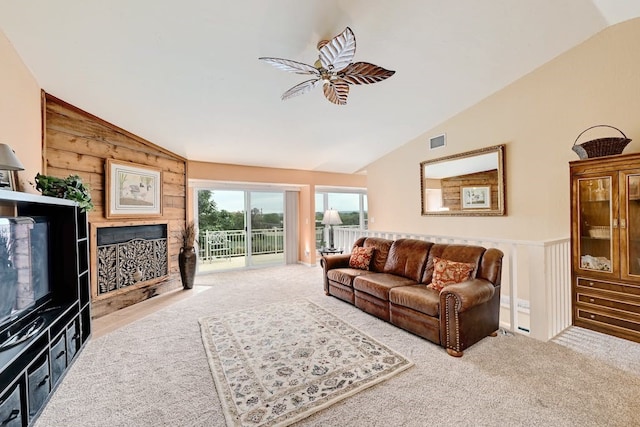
[333,69]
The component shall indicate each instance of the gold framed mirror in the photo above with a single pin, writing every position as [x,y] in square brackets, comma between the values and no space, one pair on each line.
[465,184]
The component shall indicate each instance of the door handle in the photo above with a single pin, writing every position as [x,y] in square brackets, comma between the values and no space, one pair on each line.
[623,223]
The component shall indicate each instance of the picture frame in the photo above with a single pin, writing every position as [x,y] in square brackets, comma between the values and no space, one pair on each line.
[7,180]
[475,197]
[132,190]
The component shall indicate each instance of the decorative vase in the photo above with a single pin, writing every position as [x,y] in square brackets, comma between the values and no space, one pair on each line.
[187,262]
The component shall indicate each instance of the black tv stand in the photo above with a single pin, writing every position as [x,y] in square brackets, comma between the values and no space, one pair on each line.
[23,334]
[39,344]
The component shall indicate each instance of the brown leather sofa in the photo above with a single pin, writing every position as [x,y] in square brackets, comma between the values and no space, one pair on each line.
[394,288]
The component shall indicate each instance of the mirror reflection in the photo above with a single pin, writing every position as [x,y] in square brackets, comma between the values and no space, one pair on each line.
[469,184]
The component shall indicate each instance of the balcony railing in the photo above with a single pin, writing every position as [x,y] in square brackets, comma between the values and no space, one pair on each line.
[322,234]
[233,243]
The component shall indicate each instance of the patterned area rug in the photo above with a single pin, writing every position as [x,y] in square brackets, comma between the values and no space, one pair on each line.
[278,364]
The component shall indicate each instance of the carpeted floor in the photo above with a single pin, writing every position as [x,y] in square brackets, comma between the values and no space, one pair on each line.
[154,372]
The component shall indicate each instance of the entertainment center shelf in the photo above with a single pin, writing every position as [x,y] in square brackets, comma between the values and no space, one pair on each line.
[39,340]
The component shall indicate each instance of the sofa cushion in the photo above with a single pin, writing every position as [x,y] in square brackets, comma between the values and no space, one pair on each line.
[417,297]
[446,272]
[361,257]
[345,276]
[407,258]
[380,253]
[379,284]
[452,252]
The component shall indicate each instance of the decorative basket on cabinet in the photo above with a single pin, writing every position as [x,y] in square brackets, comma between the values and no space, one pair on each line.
[602,146]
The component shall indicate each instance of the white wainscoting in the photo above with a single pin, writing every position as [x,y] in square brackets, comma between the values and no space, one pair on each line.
[536,278]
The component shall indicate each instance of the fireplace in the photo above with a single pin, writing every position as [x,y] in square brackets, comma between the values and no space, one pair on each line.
[129,255]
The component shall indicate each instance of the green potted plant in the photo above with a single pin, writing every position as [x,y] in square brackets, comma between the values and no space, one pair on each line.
[70,188]
[188,257]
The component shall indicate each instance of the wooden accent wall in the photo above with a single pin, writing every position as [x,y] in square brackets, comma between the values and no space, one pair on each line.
[78,143]
[451,188]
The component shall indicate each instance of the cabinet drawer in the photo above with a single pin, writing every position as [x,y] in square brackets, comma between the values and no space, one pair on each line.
[606,301]
[608,318]
[10,411]
[624,288]
[39,384]
[73,335]
[58,358]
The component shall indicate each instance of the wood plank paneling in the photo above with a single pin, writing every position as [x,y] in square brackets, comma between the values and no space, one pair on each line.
[78,143]
[451,188]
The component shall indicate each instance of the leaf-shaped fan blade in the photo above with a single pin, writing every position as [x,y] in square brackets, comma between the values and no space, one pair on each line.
[291,66]
[301,88]
[339,52]
[362,73]
[336,91]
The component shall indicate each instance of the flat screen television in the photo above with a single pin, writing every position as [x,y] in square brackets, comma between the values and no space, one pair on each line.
[24,267]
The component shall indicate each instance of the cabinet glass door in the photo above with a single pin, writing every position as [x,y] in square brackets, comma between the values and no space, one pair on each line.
[595,229]
[630,224]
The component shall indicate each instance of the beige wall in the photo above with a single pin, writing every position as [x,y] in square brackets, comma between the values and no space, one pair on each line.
[20,113]
[538,117]
[306,181]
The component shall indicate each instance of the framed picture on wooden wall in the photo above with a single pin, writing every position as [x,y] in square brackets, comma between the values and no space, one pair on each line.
[475,197]
[7,180]
[132,190]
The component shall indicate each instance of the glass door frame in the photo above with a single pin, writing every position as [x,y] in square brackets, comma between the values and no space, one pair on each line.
[247,207]
[628,243]
[249,202]
[586,232]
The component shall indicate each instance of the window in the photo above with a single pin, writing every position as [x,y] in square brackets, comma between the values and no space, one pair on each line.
[351,205]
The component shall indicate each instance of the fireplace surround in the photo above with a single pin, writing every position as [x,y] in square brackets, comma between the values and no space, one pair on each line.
[128,255]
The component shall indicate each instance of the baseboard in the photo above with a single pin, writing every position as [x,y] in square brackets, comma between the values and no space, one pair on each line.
[307,264]
[523,305]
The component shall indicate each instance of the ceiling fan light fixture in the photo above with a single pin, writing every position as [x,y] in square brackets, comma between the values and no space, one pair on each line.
[334,68]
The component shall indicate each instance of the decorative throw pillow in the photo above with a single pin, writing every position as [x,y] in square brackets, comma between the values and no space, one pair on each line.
[361,258]
[447,272]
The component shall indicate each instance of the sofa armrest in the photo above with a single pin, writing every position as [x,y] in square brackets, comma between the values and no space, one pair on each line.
[468,294]
[469,311]
[329,263]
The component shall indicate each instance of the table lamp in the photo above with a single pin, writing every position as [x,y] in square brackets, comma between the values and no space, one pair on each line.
[331,218]
[8,159]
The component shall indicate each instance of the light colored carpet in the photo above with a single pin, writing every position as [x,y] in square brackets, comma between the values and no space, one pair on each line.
[154,372]
[624,354]
[278,364]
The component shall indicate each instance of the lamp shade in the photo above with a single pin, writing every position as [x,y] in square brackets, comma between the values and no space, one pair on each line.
[8,159]
[331,217]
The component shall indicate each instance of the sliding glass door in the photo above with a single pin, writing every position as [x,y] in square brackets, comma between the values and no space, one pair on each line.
[240,228]
[266,228]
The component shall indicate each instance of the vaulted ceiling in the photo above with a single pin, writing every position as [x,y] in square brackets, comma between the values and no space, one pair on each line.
[186,76]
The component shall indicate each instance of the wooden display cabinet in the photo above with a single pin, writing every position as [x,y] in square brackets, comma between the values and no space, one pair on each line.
[605,244]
